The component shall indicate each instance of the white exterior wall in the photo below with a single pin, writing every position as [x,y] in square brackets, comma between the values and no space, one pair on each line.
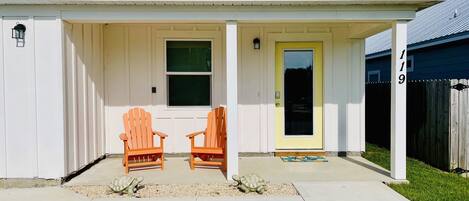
[344,98]
[31,99]
[42,137]
[84,72]
[134,63]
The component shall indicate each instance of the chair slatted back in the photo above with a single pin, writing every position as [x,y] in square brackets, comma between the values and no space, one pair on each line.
[138,129]
[216,128]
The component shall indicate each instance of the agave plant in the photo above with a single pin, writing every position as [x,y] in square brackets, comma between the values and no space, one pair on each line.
[126,185]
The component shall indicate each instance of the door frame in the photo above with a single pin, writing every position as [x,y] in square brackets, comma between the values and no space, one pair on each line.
[268,109]
[310,142]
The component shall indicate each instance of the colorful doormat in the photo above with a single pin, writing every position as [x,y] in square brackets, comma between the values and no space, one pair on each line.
[303,159]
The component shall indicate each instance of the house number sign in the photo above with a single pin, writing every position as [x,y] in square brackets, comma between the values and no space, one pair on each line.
[402,75]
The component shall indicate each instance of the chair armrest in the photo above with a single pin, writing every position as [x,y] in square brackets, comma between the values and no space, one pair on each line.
[161,134]
[123,137]
[191,135]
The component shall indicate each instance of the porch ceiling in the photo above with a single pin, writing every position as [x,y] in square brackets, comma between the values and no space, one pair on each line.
[420,4]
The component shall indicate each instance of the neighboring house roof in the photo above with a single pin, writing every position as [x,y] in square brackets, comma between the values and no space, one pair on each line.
[419,3]
[445,22]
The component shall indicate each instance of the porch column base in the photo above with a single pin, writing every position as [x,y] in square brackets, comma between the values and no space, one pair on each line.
[397,181]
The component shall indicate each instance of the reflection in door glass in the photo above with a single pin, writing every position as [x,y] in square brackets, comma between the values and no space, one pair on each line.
[298,92]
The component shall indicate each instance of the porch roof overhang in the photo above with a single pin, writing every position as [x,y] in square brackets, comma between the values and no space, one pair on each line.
[419,3]
[110,11]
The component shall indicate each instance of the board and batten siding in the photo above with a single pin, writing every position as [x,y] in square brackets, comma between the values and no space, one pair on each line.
[84,72]
[31,99]
[134,62]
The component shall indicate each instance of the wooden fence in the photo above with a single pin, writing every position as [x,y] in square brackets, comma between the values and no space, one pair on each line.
[437,120]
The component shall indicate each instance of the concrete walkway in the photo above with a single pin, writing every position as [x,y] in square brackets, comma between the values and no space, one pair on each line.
[349,190]
[309,191]
[40,194]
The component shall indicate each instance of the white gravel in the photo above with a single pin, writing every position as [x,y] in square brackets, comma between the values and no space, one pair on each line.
[186,190]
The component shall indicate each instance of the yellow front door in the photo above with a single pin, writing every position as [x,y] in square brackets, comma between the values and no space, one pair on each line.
[299,95]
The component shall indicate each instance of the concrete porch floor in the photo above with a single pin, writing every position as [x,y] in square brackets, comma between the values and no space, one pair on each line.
[273,169]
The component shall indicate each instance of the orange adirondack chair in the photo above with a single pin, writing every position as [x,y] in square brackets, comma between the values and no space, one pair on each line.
[213,153]
[139,149]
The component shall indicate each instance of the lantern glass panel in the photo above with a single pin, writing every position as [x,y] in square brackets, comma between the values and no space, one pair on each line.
[21,34]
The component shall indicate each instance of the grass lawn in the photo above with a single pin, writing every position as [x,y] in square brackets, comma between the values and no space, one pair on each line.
[426,182]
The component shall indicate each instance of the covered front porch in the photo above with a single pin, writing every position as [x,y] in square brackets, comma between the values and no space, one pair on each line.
[273,169]
[118,59]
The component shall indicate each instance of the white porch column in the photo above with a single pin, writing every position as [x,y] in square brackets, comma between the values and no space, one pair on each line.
[232,97]
[398,100]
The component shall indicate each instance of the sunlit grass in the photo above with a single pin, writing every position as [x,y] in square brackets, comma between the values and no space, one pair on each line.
[426,182]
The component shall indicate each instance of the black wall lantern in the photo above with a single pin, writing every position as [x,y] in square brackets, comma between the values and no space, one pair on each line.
[18,33]
[256,43]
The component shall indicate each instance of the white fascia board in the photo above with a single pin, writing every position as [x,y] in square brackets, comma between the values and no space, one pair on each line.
[221,15]
[421,3]
[38,11]
[112,13]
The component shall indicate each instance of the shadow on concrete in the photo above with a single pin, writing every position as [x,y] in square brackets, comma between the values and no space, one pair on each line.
[368,166]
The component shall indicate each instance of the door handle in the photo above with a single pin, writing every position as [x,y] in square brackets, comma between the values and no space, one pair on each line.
[277,94]
[277,98]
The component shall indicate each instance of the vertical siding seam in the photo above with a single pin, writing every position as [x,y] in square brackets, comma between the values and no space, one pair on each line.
[267,129]
[33,24]
[103,91]
[348,43]
[259,92]
[127,63]
[240,76]
[149,48]
[350,92]
[95,93]
[63,99]
[74,99]
[93,89]
[84,78]
[105,86]
[3,96]
[264,91]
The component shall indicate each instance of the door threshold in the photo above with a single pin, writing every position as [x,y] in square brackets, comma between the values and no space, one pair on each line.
[279,153]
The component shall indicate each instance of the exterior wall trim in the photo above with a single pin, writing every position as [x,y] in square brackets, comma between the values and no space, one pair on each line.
[3,149]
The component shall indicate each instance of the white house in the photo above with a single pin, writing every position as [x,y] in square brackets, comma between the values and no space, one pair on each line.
[290,72]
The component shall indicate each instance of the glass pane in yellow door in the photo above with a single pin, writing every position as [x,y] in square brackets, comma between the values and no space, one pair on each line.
[298,95]
[298,92]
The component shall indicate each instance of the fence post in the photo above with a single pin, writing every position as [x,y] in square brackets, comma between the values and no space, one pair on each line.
[463,126]
[454,130]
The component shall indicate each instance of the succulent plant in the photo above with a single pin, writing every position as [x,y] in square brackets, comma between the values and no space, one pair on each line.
[126,185]
[250,183]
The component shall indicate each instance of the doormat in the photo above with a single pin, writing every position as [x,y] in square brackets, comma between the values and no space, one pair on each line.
[303,159]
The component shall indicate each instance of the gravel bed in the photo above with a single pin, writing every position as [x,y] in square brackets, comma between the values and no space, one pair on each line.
[186,190]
